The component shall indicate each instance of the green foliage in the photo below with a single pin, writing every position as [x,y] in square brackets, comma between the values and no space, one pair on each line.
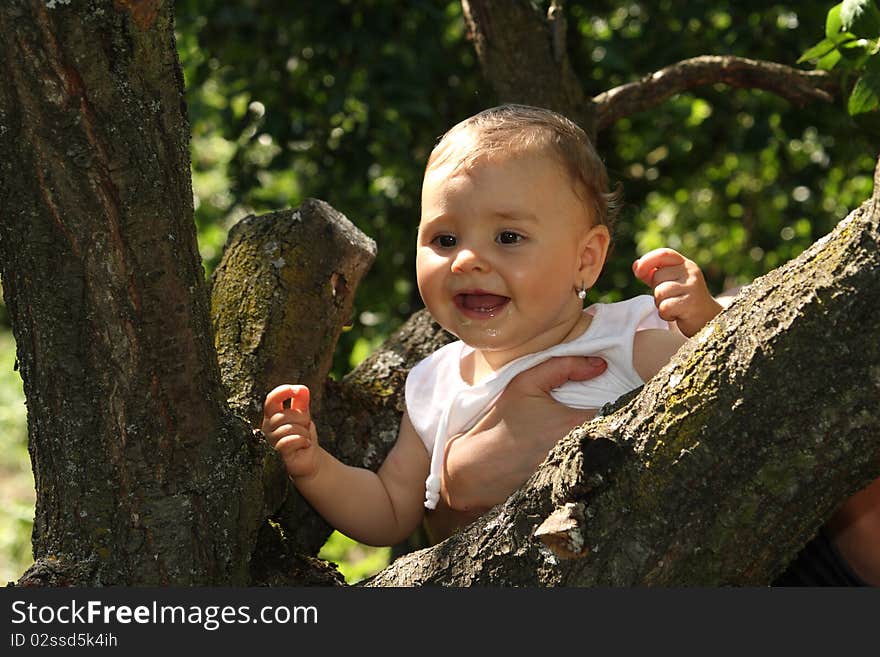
[739,180]
[356,561]
[343,101]
[852,47]
[16,479]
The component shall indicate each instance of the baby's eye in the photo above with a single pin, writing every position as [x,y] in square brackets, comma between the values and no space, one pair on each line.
[444,241]
[509,237]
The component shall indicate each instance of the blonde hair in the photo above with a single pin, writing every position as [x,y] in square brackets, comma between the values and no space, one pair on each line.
[514,128]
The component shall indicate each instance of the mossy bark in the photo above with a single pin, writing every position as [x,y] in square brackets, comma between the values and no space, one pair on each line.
[280,297]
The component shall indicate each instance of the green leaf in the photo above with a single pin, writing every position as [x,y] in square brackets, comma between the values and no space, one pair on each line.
[861,17]
[827,53]
[829,61]
[843,38]
[833,22]
[818,51]
[865,96]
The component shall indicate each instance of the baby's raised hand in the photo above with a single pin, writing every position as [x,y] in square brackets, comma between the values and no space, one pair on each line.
[680,291]
[291,430]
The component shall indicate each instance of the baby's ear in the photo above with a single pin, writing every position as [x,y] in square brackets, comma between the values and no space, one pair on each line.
[593,250]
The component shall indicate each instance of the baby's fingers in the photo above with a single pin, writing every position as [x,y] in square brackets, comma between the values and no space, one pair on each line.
[669,290]
[300,401]
[288,430]
[275,399]
[299,397]
[645,267]
[677,274]
[293,443]
[671,308]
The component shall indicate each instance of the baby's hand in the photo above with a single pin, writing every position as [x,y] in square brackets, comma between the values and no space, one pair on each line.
[680,291]
[291,430]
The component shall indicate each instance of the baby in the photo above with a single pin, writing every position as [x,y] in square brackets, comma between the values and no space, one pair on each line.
[515,227]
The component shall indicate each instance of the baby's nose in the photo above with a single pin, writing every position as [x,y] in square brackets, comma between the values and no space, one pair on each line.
[468,259]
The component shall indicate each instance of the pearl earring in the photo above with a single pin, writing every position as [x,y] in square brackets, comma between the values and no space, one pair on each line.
[582,293]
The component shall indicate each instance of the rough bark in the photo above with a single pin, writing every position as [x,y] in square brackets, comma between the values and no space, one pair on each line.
[726,462]
[142,473]
[523,56]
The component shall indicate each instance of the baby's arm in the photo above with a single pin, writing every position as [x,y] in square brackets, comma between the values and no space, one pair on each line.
[680,291]
[376,508]
[653,348]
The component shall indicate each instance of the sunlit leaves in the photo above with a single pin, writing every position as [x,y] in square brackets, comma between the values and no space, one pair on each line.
[852,47]
[865,96]
[833,22]
[747,181]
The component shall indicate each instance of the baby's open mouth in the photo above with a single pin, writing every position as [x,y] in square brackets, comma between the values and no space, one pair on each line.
[480,305]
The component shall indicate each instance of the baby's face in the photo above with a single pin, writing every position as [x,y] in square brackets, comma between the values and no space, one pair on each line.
[501,250]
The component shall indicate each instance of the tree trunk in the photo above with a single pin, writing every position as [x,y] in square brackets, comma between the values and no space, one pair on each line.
[143,475]
[523,56]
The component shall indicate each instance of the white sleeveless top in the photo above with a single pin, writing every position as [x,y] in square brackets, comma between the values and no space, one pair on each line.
[440,404]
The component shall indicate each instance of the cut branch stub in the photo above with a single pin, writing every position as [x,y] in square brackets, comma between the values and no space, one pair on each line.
[280,298]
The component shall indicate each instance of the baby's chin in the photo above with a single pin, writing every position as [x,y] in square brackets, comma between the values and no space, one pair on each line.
[487,340]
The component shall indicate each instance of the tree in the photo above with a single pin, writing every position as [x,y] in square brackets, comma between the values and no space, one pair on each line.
[147,470]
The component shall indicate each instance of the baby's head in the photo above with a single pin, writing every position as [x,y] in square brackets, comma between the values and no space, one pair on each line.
[516,219]
[508,130]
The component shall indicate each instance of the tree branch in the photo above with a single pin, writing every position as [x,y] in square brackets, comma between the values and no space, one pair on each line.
[796,86]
